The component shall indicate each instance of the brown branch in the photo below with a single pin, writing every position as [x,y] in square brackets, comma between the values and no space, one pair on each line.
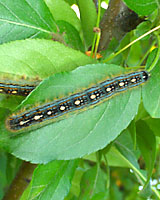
[107,23]
[116,22]
[20,182]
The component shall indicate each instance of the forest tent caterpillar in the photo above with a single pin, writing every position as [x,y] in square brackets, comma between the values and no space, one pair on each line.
[88,97]
[22,88]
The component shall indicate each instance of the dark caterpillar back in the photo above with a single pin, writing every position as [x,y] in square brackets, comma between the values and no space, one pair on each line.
[77,101]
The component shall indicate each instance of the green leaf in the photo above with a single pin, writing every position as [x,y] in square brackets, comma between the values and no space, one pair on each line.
[147,144]
[116,159]
[40,58]
[91,130]
[142,7]
[151,58]
[154,125]
[101,196]
[151,93]
[113,158]
[3,176]
[70,35]
[88,19]
[10,102]
[36,58]
[92,183]
[115,193]
[22,19]
[128,155]
[142,113]
[75,189]
[134,54]
[126,147]
[62,11]
[132,130]
[51,181]
[142,28]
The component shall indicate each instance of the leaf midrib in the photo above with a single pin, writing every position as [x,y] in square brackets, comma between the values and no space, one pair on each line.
[25,25]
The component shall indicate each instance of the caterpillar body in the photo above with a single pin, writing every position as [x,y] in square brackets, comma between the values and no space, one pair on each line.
[77,101]
[16,89]
[21,88]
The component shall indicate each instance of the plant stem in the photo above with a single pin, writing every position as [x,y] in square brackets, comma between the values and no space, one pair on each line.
[97,43]
[20,182]
[97,173]
[108,173]
[96,35]
[131,43]
[93,44]
[136,67]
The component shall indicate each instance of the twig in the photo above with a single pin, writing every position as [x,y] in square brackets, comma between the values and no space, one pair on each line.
[20,182]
